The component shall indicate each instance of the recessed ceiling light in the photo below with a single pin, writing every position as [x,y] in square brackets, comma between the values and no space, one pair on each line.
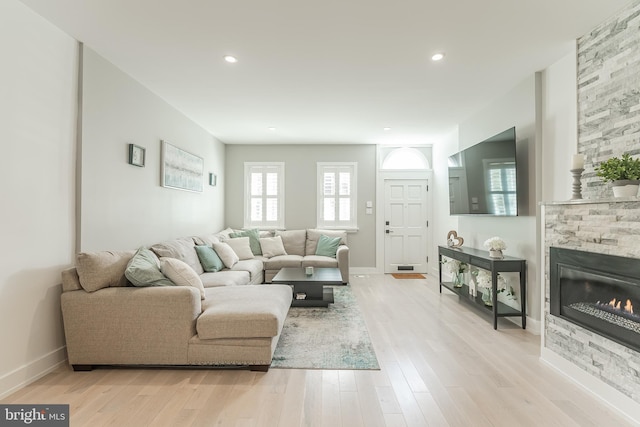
[386,128]
[272,129]
[231,59]
[437,57]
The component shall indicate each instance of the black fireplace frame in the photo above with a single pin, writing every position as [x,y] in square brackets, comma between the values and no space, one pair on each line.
[625,271]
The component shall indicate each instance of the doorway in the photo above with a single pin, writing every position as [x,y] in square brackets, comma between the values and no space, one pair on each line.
[406,224]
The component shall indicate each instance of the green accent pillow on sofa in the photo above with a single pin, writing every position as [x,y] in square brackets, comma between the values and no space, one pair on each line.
[144,270]
[254,239]
[209,259]
[328,246]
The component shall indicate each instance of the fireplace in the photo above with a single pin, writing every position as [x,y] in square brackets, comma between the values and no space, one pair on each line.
[597,291]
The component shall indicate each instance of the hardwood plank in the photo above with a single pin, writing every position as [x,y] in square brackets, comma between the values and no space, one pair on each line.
[331,413]
[441,365]
[291,413]
[350,410]
[372,412]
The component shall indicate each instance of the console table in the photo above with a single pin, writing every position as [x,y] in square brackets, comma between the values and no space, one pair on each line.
[481,259]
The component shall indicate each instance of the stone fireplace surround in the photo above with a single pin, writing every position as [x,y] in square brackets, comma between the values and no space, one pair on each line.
[606,368]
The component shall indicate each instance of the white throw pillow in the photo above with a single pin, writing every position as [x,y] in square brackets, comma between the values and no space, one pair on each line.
[181,274]
[226,254]
[241,246]
[272,246]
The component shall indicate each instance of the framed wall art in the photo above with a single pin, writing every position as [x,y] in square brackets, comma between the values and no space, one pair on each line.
[136,155]
[180,169]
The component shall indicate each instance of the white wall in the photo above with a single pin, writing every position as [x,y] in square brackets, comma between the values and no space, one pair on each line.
[300,188]
[515,108]
[560,127]
[442,221]
[37,118]
[124,206]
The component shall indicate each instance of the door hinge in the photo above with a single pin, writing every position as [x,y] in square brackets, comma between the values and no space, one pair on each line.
[427,258]
[427,187]
[427,223]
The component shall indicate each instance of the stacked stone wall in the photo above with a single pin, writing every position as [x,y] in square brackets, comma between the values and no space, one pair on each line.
[609,95]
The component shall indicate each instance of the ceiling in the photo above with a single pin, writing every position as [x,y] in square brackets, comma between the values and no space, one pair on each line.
[328,71]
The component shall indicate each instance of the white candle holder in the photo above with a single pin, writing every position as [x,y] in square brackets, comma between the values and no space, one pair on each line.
[577,184]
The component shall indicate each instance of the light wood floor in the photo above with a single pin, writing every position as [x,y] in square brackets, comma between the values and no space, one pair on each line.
[442,365]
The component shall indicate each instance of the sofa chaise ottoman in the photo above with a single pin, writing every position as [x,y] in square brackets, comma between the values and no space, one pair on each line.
[107,321]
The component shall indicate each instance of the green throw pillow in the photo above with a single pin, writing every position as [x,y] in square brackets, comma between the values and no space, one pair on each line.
[254,239]
[328,246]
[209,259]
[144,270]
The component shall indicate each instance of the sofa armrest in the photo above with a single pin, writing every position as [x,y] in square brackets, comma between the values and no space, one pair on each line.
[128,325]
[342,255]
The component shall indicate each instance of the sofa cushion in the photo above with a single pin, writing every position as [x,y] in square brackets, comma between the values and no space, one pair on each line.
[98,270]
[182,249]
[226,254]
[319,261]
[206,240]
[313,236]
[181,274]
[272,246]
[225,278]
[225,234]
[144,270]
[327,246]
[293,241]
[267,233]
[253,311]
[253,266]
[241,247]
[209,259]
[280,261]
[254,239]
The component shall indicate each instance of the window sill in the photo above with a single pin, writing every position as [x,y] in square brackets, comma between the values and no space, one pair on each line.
[347,229]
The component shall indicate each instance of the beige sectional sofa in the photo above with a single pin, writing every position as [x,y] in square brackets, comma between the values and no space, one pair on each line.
[228,318]
[300,246]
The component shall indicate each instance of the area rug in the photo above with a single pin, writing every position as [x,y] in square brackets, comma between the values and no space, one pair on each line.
[407,276]
[335,337]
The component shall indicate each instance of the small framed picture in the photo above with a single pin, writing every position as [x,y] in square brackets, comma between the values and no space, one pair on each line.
[136,155]
[213,179]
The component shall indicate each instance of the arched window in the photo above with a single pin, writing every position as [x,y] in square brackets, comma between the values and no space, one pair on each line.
[405,158]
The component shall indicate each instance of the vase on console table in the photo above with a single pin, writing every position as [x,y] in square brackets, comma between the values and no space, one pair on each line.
[496,253]
[495,245]
[487,297]
[458,280]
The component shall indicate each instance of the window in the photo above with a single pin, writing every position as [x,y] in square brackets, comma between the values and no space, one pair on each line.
[264,195]
[501,182]
[405,158]
[337,195]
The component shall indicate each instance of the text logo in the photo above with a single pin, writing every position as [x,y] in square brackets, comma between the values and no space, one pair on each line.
[34,415]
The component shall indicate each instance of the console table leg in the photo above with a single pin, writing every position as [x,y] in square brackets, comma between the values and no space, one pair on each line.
[440,271]
[523,295]
[494,297]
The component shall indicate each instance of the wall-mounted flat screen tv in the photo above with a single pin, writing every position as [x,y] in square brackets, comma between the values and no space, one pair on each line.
[482,178]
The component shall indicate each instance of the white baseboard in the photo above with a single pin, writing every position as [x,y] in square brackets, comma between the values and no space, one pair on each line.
[621,403]
[363,270]
[30,372]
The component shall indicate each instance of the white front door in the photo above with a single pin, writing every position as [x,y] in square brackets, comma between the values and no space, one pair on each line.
[405,219]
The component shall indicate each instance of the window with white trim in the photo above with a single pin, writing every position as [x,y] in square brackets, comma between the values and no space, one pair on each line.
[337,195]
[263,195]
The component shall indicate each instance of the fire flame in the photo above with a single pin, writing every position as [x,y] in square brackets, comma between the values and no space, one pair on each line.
[615,303]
